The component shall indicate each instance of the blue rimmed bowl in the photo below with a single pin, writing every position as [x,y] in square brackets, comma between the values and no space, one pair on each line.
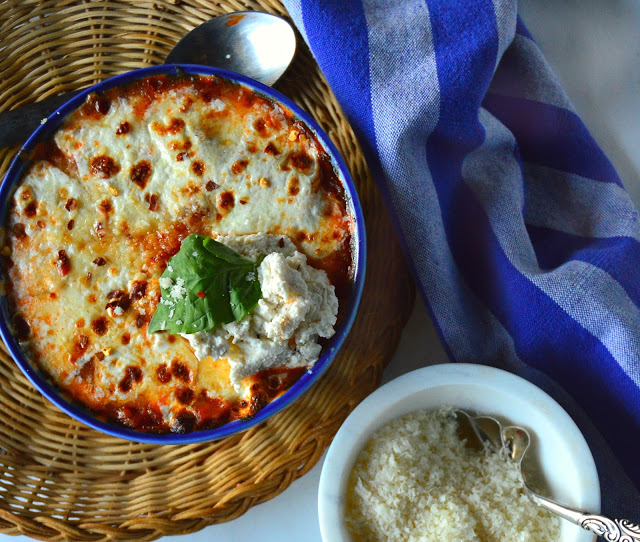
[41,381]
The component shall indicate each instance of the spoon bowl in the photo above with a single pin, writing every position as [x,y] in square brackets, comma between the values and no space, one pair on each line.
[488,432]
[256,44]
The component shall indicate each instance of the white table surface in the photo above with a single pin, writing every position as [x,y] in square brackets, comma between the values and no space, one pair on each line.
[594,47]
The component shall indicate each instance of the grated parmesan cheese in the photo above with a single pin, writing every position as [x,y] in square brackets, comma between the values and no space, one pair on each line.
[415,480]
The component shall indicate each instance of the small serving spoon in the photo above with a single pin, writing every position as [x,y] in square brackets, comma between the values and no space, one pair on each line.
[252,43]
[487,432]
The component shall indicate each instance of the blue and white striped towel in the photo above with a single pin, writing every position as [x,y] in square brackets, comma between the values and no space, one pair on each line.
[524,243]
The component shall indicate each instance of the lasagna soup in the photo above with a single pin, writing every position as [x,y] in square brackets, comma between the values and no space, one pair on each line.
[107,202]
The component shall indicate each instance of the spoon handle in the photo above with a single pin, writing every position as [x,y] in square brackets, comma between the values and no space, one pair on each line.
[17,125]
[612,530]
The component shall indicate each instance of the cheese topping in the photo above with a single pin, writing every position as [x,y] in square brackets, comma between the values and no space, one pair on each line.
[298,306]
[106,204]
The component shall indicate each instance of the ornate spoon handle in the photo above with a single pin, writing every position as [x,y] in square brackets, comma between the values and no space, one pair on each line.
[612,530]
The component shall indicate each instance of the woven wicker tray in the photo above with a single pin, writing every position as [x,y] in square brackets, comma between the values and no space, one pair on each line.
[62,480]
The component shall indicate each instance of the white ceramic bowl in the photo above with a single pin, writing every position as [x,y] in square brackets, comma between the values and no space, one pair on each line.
[563,453]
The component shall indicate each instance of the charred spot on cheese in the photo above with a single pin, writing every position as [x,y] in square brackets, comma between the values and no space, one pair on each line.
[239,166]
[140,173]
[226,200]
[132,376]
[180,371]
[95,106]
[185,396]
[100,325]
[21,327]
[203,139]
[123,128]
[271,149]
[105,207]
[198,168]
[293,186]
[163,373]
[184,422]
[260,126]
[80,346]
[301,161]
[19,231]
[31,209]
[103,166]
[173,127]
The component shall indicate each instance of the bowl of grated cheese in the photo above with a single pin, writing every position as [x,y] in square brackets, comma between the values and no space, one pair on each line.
[398,470]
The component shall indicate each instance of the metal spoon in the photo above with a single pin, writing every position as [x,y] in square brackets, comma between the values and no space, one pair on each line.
[256,44]
[515,440]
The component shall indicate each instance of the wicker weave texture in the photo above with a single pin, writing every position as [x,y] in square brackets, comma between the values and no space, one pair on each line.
[61,480]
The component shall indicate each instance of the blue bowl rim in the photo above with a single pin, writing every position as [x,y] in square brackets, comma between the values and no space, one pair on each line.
[84,415]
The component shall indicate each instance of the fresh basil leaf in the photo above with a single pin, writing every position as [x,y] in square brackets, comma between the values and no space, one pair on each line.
[205,284]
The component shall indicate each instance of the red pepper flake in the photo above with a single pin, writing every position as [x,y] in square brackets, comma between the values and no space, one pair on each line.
[99,261]
[123,128]
[63,264]
[281,242]
[181,156]
[40,224]
[103,166]
[71,204]
[210,186]
[243,201]
[70,224]
[201,294]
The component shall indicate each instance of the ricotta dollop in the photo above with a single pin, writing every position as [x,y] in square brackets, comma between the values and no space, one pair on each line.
[298,306]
